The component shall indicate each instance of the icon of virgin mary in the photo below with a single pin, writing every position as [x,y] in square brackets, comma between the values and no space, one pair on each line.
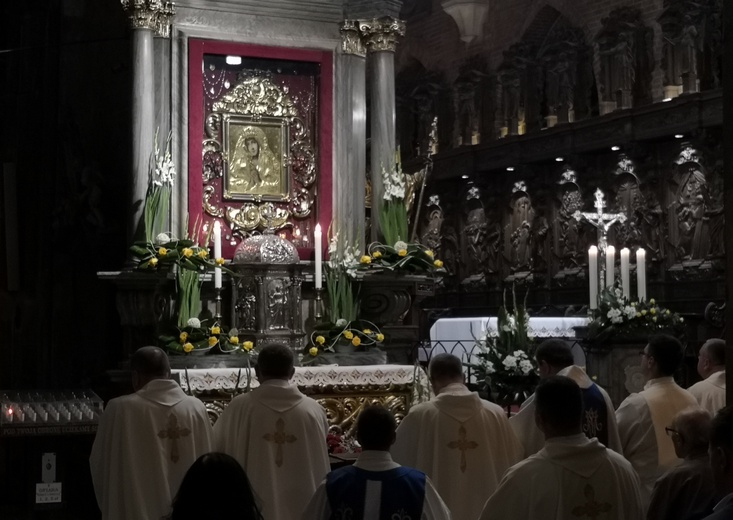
[254,168]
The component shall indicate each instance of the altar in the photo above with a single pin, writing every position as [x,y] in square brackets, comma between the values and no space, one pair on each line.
[342,390]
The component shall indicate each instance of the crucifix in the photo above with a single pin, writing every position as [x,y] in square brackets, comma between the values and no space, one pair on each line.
[602,222]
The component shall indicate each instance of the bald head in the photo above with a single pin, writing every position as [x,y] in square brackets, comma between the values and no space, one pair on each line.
[711,358]
[148,363]
[445,369]
[693,428]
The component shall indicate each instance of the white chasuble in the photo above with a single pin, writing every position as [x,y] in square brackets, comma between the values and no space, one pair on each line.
[145,443]
[571,477]
[278,435]
[533,439]
[710,393]
[642,419]
[463,443]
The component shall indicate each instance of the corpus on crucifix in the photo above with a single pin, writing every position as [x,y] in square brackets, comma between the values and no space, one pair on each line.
[602,222]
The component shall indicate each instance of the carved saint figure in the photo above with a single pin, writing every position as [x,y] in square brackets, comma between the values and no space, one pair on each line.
[520,233]
[690,212]
[569,248]
[475,232]
[277,305]
[254,167]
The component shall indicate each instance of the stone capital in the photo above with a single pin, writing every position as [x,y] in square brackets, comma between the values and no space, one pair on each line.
[381,34]
[154,15]
[351,39]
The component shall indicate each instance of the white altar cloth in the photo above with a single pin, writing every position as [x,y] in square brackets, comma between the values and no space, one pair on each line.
[238,380]
[459,335]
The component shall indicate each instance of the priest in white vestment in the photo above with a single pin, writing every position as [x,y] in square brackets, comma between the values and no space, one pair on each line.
[146,442]
[643,417]
[278,435]
[554,357]
[721,462]
[686,492]
[376,487]
[463,443]
[710,392]
[572,476]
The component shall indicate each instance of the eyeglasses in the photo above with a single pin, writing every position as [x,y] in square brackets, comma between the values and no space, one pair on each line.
[671,431]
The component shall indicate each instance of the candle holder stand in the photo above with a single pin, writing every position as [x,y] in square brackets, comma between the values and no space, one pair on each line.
[217,300]
[319,305]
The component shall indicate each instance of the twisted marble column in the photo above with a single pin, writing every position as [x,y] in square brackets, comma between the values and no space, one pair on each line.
[380,37]
[146,17]
[349,182]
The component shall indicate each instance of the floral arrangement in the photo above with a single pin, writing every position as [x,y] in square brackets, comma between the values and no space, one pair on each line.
[195,336]
[402,256]
[616,315]
[343,303]
[507,366]
[339,443]
[392,210]
[329,337]
[161,176]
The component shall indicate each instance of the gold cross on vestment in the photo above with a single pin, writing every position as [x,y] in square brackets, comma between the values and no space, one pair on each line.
[172,432]
[279,437]
[591,509]
[464,445]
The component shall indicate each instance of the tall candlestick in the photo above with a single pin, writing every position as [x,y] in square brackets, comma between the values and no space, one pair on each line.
[593,276]
[610,265]
[319,257]
[217,254]
[625,283]
[641,274]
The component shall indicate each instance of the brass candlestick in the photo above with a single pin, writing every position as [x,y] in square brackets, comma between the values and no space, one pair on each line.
[319,305]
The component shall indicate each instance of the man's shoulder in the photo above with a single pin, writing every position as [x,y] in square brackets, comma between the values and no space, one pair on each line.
[619,461]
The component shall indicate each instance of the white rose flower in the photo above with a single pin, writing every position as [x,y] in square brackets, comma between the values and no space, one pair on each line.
[399,245]
[341,322]
[509,362]
[194,323]
[489,367]
[526,366]
[162,239]
[630,312]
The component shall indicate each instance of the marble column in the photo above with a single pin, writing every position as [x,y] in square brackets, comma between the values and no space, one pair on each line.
[380,37]
[349,182]
[146,17]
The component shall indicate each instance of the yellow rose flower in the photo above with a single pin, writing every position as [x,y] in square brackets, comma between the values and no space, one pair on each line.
[366,259]
[162,251]
[202,254]
[153,262]
[402,252]
[633,304]
[643,313]
[348,334]
[187,347]
[234,340]
[356,341]
[654,319]
[380,337]
[183,337]
[367,331]
[313,351]
[219,261]
[430,253]
[320,340]
[653,310]
[652,302]
[213,340]
[438,264]
[638,315]
[187,252]
[247,345]
[667,313]
[376,254]
[215,330]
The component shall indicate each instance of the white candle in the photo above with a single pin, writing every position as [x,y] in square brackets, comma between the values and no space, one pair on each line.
[625,284]
[610,265]
[217,253]
[641,274]
[319,255]
[593,276]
